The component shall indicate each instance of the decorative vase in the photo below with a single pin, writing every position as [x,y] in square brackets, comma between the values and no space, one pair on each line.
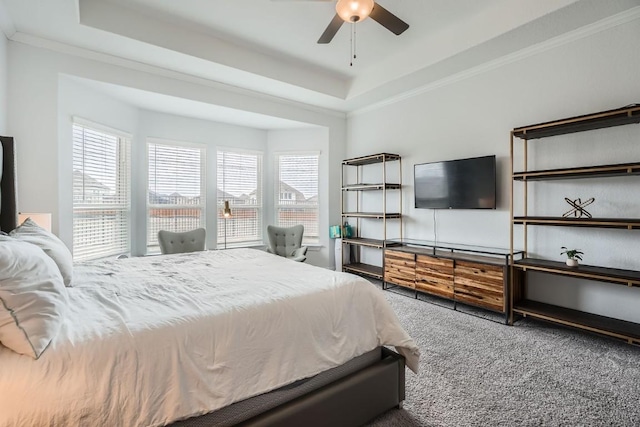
[572,262]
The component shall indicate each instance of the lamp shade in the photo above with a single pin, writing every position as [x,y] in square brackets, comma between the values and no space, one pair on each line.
[354,10]
[42,219]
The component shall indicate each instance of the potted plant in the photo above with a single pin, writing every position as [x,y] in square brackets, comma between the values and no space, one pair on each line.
[573,255]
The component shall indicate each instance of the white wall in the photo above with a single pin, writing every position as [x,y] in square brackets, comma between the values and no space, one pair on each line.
[472,116]
[33,91]
[77,100]
[4,68]
[315,140]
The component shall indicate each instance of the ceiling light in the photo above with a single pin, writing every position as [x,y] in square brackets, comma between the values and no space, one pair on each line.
[354,10]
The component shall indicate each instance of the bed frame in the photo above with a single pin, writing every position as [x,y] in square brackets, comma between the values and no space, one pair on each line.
[350,401]
[347,396]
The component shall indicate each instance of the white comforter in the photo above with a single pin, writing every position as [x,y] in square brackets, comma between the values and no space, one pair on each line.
[155,339]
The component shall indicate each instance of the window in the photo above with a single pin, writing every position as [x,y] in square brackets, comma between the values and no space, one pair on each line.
[297,190]
[240,183]
[176,189]
[101,192]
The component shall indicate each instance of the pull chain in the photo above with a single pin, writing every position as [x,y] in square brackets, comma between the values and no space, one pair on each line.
[353,43]
[354,40]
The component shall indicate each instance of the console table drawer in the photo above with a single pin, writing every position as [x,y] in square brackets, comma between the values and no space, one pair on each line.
[400,268]
[480,284]
[390,254]
[434,275]
[403,276]
[487,300]
[483,275]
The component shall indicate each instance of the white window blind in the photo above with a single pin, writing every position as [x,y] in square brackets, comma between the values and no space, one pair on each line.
[297,193]
[176,190]
[239,178]
[101,193]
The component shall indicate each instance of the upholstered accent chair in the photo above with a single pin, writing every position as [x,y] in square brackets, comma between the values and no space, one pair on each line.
[287,242]
[188,241]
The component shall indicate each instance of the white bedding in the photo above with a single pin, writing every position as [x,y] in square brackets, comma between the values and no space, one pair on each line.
[151,340]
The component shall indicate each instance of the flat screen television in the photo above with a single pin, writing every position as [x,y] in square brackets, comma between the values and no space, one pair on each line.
[456,184]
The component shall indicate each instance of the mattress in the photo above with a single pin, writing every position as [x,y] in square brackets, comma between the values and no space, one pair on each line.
[151,340]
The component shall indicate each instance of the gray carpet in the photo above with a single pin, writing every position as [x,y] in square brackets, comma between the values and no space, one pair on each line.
[474,372]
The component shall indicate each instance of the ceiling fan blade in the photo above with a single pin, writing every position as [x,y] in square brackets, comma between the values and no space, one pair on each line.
[331,30]
[388,20]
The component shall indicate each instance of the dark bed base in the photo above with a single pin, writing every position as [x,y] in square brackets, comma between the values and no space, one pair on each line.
[349,401]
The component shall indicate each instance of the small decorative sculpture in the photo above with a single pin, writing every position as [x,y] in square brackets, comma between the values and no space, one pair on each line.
[577,207]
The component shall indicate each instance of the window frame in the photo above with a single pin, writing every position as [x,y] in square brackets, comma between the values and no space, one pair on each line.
[259,207]
[154,249]
[123,150]
[315,241]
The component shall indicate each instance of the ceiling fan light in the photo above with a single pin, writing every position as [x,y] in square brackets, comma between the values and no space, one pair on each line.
[354,10]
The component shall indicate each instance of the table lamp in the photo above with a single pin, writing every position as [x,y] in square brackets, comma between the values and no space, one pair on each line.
[42,219]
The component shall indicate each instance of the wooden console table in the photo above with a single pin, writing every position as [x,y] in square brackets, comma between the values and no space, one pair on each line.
[473,275]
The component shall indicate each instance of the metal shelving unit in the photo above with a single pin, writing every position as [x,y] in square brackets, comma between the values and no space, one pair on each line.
[520,305]
[358,242]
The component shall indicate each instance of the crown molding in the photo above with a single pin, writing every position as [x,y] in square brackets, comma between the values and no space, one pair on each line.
[569,37]
[66,49]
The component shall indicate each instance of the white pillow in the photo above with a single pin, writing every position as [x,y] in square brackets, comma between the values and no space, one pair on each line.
[31,232]
[33,299]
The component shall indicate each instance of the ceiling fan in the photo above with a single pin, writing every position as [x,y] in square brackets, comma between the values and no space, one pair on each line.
[353,11]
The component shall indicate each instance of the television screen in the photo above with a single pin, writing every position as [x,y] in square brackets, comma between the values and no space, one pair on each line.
[456,184]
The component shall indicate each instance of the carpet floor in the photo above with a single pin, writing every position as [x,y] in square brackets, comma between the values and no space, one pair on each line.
[475,372]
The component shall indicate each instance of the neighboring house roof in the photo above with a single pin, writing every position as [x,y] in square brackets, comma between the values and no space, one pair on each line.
[159,198]
[286,187]
[88,181]
[224,195]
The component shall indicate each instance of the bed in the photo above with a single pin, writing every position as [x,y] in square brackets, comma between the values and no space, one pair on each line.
[236,337]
